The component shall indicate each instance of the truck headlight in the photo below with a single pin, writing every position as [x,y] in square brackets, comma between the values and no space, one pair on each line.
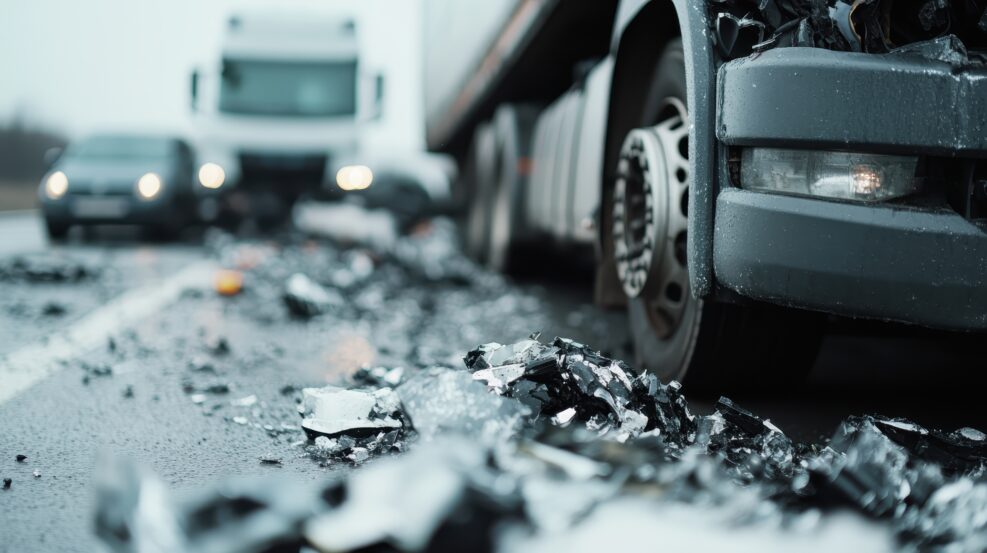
[149,186]
[212,176]
[840,175]
[354,177]
[56,185]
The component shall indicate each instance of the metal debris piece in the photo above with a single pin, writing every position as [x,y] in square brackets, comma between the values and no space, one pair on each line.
[568,381]
[354,418]
[306,299]
[271,460]
[753,446]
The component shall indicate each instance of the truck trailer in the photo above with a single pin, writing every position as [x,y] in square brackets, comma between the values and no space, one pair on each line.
[739,171]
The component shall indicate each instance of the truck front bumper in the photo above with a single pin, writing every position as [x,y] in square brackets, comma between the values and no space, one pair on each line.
[925,266]
[858,260]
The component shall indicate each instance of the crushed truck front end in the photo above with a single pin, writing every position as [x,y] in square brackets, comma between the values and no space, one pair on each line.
[852,182]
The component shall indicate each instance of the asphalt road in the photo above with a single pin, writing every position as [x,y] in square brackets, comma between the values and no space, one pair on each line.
[194,414]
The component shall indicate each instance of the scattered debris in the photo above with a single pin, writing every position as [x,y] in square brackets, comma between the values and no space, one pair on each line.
[96,370]
[37,473]
[7,482]
[535,441]
[46,268]
[306,299]
[567,381]
[271,460]
[128,392]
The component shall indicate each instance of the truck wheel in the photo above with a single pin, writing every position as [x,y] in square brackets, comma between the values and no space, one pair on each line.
[480,184]
[513,128]
[706,345]
[56,229]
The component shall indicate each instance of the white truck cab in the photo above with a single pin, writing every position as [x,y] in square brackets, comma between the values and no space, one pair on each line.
[284,97]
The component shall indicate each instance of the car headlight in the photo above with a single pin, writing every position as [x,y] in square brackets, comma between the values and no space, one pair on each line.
[56,185]
[149,186]
[354,177]
[212,176]
[839,175]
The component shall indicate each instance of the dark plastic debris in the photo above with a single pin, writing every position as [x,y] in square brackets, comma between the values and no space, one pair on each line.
[21,458]
[875,26]
[306,299]
[7,482]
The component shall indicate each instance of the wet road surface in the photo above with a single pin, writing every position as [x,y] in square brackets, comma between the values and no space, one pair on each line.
[194,411]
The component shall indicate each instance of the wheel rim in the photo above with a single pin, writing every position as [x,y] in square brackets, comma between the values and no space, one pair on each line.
[650,217]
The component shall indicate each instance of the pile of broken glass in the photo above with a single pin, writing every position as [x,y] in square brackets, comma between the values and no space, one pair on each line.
[553,446]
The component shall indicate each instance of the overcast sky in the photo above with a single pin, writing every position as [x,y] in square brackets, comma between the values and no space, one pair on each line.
[84,65]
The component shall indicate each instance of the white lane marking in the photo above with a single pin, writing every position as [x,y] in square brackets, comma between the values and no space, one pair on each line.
[29,365]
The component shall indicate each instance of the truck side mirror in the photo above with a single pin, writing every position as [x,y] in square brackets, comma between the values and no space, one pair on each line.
[378,97]
[194,90]
[51,156]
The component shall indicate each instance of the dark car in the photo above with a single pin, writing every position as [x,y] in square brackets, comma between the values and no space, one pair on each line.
[120,179]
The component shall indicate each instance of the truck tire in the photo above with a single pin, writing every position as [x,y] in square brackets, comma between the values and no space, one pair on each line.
[480,185]
[513,127]
[706,345]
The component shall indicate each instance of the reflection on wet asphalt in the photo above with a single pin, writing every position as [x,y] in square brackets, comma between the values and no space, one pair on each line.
[207,388]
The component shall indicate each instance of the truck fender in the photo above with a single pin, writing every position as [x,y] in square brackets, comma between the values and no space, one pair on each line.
[641,30]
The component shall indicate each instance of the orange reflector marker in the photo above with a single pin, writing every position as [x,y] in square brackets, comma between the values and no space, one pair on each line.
[229,283]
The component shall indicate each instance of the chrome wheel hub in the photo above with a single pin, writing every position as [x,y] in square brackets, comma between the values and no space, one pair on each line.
[650,216]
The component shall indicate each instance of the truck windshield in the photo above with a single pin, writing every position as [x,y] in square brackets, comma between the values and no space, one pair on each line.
[121,147]
[303,89]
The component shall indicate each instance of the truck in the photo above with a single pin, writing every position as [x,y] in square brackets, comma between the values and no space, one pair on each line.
[284,97]
[738,172]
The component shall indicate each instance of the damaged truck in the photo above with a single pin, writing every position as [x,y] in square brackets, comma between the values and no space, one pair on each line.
[737,170]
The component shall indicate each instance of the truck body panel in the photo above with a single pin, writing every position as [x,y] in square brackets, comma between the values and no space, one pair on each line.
[929,102]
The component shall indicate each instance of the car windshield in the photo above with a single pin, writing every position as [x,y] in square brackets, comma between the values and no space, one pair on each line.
[304,89]
[121,147]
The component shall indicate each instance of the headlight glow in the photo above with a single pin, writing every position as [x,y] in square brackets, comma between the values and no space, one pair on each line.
[836,175]
[354,177]
[56,185]
[212,176]
[149,186]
